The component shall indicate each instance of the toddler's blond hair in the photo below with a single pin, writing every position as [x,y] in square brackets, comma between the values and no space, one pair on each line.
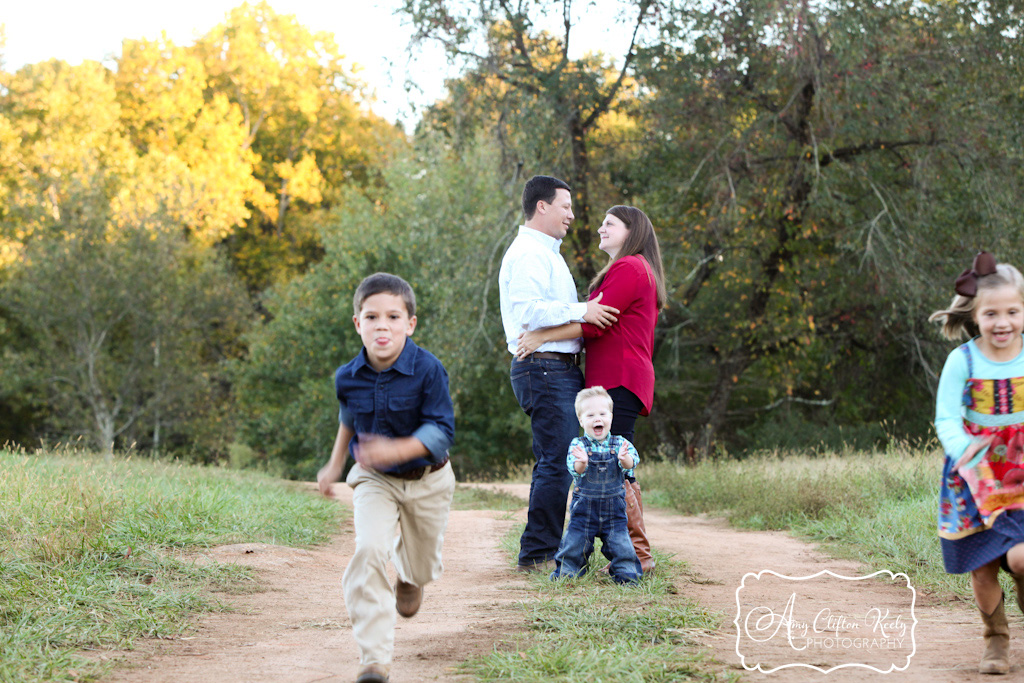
[593,392]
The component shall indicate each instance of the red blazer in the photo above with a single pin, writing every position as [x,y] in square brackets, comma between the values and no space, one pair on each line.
[622,355]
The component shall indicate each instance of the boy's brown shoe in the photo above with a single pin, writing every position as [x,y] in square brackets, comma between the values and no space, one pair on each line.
[408,597]
[373,673]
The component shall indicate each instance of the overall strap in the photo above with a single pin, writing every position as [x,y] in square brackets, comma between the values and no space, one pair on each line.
[970,374]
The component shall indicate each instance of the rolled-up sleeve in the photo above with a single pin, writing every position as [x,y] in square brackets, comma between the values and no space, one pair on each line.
[570,460]
[345,417]
[437,426]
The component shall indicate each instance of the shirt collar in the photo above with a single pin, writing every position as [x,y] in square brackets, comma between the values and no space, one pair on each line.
[405,363]
[548,241]
[597,442]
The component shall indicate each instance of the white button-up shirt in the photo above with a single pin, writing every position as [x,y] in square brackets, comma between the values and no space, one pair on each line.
[536,290]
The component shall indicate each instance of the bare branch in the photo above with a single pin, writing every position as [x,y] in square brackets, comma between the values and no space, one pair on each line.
[846,153]
[515,20]
[522,85]
[603,105]
[567,22]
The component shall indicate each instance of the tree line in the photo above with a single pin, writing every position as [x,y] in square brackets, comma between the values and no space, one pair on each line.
[180,235]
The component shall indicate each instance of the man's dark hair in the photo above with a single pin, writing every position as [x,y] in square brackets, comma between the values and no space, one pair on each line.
[385,283]
[541,188]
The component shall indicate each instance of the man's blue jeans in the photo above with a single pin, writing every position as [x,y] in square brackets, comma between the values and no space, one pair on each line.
[546,390]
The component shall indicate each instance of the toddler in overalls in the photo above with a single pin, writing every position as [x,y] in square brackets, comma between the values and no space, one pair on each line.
[598,462]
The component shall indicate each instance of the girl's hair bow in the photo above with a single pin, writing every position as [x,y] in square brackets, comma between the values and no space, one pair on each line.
[967,283]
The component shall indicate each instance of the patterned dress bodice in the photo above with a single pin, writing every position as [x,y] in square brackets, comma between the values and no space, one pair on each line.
[991,407]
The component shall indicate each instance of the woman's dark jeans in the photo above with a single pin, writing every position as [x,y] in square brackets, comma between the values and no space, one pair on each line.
[624,413]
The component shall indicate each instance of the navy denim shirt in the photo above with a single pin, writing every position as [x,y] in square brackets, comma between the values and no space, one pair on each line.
[408,399]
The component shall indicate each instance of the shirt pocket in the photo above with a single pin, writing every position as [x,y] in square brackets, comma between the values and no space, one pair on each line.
[404,414]
[361,410]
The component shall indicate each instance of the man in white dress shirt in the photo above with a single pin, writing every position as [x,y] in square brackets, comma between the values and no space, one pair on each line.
[537,290]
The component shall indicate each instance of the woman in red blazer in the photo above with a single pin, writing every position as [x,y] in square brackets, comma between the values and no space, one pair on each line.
[620,357]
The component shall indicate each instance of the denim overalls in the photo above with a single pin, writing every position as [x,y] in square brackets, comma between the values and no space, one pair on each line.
[598,510]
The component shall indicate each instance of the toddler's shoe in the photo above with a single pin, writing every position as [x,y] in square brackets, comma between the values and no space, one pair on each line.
[408,597]
[373,673]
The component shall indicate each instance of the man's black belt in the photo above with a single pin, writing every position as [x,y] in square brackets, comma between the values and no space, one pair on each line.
[573,358]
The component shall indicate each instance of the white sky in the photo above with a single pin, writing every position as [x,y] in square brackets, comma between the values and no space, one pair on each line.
[367,31]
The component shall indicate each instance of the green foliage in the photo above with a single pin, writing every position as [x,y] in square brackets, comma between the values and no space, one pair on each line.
[442,224]
[86,552]
[551,113]
[791,432]
[121,330]
[236,145]
[808,168]
[817,174]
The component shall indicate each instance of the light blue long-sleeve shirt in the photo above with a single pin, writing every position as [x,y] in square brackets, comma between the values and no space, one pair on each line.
[949,406]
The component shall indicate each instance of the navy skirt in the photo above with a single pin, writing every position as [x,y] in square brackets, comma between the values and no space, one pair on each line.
[974,551]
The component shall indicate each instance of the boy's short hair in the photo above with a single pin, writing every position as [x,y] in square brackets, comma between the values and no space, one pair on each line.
[385,283]
[541,188]
[592,392]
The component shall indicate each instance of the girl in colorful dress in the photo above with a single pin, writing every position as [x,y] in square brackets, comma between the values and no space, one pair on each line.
[979,417]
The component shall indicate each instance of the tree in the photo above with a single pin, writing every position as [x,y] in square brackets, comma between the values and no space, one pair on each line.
[303,117]
[126,329]
[241,143]
[194,163]
[442,223]
[544,107]
[789,145]
[63,124]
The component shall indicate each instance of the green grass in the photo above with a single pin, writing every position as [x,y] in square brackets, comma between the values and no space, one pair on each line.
[876,508]
[591,630]
[93,553]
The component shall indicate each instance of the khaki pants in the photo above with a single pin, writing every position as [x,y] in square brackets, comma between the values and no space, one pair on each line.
[419,510]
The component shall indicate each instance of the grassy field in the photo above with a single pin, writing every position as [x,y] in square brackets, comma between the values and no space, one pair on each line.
[590,630]
[93,553]
[876,508]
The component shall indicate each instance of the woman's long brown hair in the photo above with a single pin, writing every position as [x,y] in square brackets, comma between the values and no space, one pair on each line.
[640,240]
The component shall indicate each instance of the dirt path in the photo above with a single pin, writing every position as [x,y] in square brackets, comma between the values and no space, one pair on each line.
[298,630]
[947,635]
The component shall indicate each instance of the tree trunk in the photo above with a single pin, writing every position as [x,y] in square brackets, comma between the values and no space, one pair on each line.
[105,425]
[156,417]
[730,369]
[282,207]
[583,231]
